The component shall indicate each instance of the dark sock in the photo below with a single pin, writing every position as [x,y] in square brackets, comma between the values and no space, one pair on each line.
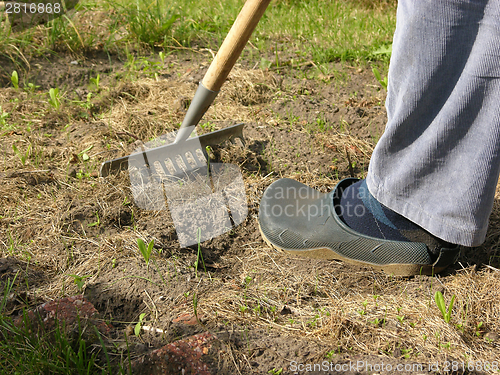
[364,214]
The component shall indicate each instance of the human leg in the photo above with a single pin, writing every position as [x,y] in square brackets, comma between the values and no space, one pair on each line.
[434,171]
[438,161]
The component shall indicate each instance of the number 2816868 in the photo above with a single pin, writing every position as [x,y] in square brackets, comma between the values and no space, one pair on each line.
[16,8]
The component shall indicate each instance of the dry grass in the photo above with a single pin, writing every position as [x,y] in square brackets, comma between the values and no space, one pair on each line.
[339,317]
[149,108]
[46,237]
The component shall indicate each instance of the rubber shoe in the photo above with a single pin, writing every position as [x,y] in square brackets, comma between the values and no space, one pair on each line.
[303,221]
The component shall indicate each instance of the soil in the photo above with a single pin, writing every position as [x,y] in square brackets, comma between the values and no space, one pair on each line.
[268,310]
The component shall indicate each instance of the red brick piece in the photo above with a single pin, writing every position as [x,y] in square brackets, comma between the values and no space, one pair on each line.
[179,357]
[73,315]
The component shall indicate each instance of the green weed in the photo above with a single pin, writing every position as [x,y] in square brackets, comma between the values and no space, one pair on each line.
[438,297]
[195,306]
[138,326]
[14,78]
[95,81]
[199,256]
[257,309]
[83,154]
[275,371]
[3,118]
[79,281]
[6,293]
[22,156]
[314,321]
[208,126]
[145,251]
[377,322]
[81,174]
[136,64]
[478,328]
[95,223]
[265,63]
[406,352]
[161,54]
[87,105]
[363,312]
[55,98]
[31,87]
[383,81]
[384,51]
[330,354]
[446,346]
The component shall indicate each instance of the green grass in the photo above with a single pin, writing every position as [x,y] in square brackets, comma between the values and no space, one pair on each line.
[312,29]
[24,352]
[329,31]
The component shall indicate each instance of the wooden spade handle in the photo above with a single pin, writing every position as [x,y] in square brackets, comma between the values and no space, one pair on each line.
[234,43]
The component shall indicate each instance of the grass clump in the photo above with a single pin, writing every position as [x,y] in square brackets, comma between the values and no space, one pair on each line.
[337,31]
[324,32]
[149,22]
[27,350]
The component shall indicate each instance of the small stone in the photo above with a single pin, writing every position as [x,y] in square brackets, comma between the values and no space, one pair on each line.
[72,172]
[182,104]
[136,146]
[74,62]
[129,331]
[492,336]
[285,311]
[392,326]
[186,319]
[140,348]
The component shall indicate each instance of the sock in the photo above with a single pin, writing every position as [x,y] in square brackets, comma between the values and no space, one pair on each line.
[364,214]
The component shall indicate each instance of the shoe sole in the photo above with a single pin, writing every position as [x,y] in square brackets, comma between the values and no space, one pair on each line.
[326,253]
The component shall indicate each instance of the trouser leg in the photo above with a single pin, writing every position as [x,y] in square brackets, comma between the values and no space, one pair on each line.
[438,161]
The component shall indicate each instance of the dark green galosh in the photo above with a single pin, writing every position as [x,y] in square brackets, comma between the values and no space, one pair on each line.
[303,221]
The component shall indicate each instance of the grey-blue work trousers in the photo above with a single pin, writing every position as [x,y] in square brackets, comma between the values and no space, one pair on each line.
[438,161]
